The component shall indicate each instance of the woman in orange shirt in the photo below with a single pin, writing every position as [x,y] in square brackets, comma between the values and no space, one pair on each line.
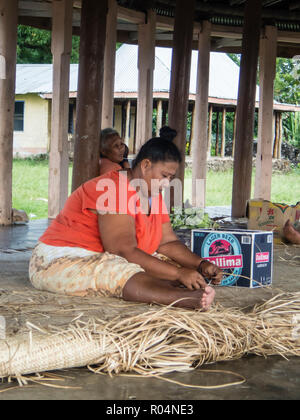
[113,152]
[105,239]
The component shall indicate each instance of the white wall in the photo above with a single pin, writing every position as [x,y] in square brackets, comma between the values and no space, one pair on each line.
[35,137]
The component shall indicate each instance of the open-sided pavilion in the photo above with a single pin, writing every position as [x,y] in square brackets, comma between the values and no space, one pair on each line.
[258,29]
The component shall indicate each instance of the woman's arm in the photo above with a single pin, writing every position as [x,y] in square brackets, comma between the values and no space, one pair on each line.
[173,248]
[118,237]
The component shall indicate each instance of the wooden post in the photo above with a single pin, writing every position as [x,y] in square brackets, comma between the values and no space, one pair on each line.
[223,144]
[180,76]
[210,118]
[242,175]
[217,133]
[90,91]
[201,130]
[263,181]
[146,64]
[192,136]
[109,65]
[8,54]
[128,120]
[276,137]
[59,156]
[159,116]
[279,152]
[165,107]
[234,135]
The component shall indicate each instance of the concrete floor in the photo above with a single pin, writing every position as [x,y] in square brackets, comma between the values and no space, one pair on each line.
[267,379]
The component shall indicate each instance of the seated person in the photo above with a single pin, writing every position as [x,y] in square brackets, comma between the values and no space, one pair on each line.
[106,238]
[113,152]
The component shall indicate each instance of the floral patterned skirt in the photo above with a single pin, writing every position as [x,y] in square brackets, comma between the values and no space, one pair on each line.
[78,272]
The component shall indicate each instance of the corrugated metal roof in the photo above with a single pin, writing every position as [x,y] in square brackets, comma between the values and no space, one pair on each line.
[224,74]
[223,81]
[37,78]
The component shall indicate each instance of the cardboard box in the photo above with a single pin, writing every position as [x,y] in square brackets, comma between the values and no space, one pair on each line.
[245,256]
[268,216]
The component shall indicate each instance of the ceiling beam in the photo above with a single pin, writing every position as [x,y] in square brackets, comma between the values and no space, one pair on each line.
[132,16]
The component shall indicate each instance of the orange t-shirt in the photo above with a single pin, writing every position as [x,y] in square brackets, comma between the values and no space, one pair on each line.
[77,226]
[107,165]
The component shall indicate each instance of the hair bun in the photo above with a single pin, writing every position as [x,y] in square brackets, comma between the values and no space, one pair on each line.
[167,133]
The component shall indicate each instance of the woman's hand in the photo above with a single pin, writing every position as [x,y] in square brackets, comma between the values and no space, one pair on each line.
[191,279]
[211,272]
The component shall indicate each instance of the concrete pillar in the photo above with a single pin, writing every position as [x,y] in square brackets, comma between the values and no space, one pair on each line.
[201,121]
[90,91]
[109,65]
[8,55]
[242,175]
[268,54]
[59,158]
[146,64]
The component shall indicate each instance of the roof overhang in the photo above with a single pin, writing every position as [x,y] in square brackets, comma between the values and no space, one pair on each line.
[226,17]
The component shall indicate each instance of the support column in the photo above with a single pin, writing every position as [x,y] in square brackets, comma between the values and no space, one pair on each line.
[234,134]
[109,65]
[276,136]
[159,116]
[268,53]
[279,153]
[165,106]
[201,120]
[59,156]
[210,118]
[128,120]
[146,64]
[223,144]
[217,133]
[192,136]
[180,76]
[90,91]
[8,54]
[242,175]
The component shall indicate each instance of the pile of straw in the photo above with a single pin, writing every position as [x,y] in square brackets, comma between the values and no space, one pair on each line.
[159,341]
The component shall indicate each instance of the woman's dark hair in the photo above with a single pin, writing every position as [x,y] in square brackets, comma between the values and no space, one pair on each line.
[158,149]
[168,133]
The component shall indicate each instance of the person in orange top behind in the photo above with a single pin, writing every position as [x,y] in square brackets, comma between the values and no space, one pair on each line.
[113,152]
[106,238]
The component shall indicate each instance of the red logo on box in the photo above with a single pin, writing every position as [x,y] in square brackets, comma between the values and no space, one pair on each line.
[262,257]
[227,261]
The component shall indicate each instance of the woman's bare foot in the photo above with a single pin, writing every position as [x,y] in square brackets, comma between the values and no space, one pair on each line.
[144,288]
[291,234]
[207,298]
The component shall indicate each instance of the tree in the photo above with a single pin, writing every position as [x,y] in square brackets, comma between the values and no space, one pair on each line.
[34,46]
[287,90]
[287,82]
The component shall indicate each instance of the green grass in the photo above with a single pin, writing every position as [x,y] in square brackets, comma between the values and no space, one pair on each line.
[30,187]
[285,187]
